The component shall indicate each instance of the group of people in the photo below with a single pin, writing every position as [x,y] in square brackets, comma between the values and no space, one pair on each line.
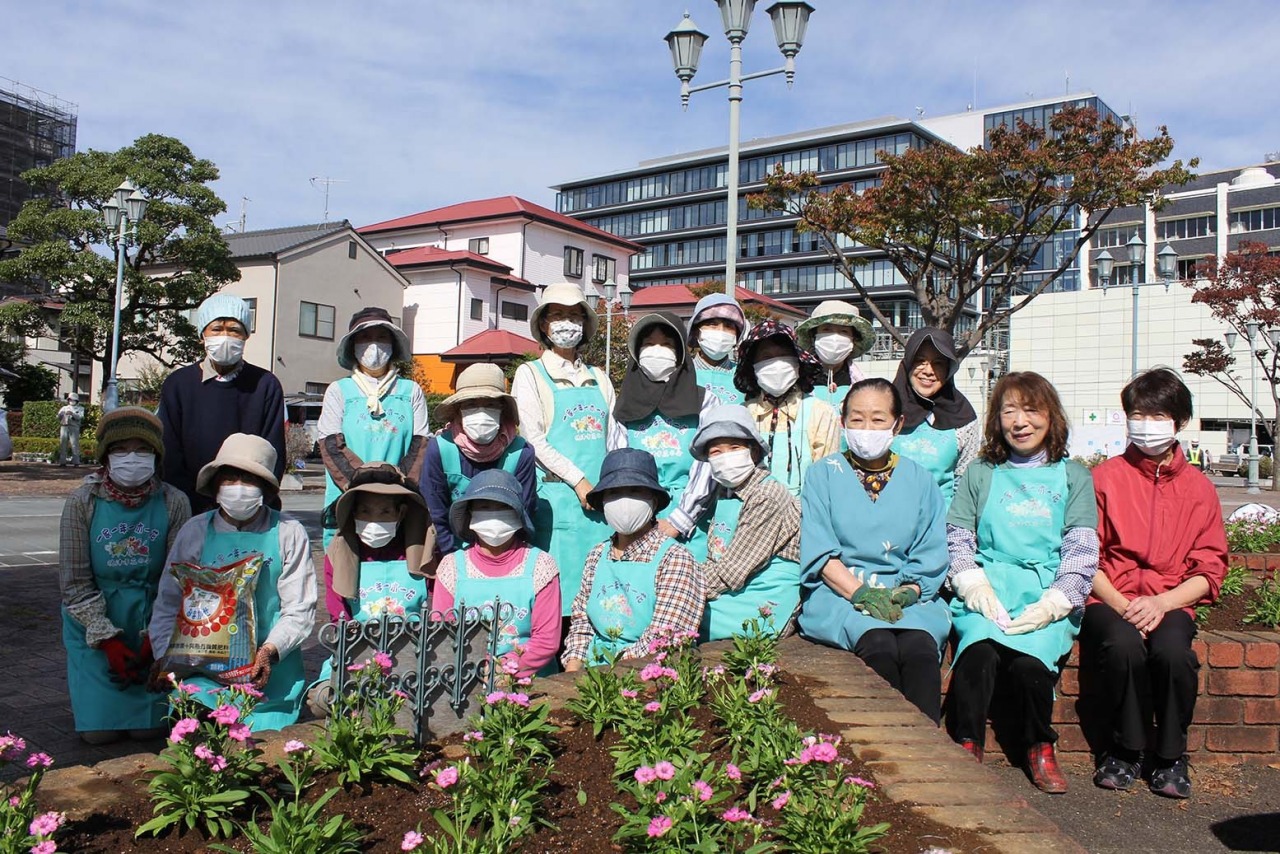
[738,469]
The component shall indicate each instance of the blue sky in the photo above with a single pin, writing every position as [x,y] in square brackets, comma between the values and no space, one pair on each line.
[414,105]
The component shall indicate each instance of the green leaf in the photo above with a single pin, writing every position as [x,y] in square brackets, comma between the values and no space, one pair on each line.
[158,824]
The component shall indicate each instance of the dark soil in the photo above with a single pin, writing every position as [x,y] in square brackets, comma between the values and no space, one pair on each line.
[1228,613]
[384,813]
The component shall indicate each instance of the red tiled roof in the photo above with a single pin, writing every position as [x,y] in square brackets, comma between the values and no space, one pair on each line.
[654,296]
[497,208]
[492,343]
[424,256]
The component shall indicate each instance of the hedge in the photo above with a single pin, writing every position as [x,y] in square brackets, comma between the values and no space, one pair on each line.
[40,419]
[41,445]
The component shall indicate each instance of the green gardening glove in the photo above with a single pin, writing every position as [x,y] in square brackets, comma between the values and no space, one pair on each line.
[877,603]
[905,595]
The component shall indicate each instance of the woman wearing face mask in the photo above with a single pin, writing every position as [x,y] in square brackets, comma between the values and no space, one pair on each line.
[753,542]
[241,478]
[873,551]
[1024,549]
[1164,552]
[115,531]
[659,406]
[497,562]
[837,334]
[941,431]
[778,378]
[373,416]
[718,323]
[480,423]
[566,413]
[638,584]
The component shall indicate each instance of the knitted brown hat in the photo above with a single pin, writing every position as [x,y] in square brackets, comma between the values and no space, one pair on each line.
[130,422]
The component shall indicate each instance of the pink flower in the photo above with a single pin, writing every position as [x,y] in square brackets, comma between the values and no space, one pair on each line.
[225,714]
[660,825]
[664,770]
[446,777]
[660,797]
[858,781]
[412,839]
[766,610]
[653,706]
[645,775]
[732,772]
[511,664]
[629,694]
[702,790]
[521,700]
[651,672]
[39,760]
[477,735]
[248,690]
[46,824]
[495,697]
[202,751]
[781,801]
[183,728]
[384,661]
[757,696]
[15,801]
[824,752]
[239,732]
[217,764]
[188,689]
[736,814]
[355,668]
[293,746]
[46,847]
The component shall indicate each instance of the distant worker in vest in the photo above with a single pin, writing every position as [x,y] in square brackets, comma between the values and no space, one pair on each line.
[480,433]
[373,416]
[70,421]
[1197,456]
[717,325]
[837,334]
[204,403]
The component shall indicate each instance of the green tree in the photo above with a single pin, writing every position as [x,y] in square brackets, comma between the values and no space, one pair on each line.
[592,353]
[178,259]
[960,224]
[20,320]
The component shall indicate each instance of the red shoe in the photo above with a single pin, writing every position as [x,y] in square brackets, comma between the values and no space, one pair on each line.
[974,748]
[1042,763]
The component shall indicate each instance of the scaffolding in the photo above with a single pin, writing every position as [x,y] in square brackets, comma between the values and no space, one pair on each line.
[36,128]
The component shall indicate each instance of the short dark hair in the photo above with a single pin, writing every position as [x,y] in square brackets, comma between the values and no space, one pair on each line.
[1034,390]
[873,384]
[1158,391]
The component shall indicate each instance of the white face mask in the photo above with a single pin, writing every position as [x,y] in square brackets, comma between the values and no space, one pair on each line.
[495,527]
[732,467]
[832,348]
[715,344]
[868,444]
[565,333]
[374,355]
[224,349]
[131,468]
[626,514]
[1153,438]
[776,376]
[240,501]
[481,423]
[658,362]
[375,535]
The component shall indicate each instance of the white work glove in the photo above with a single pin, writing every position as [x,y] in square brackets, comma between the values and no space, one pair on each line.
[976,592]
[1051,607]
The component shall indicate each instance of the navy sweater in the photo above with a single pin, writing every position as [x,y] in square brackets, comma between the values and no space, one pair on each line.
[435,489]
[198,416]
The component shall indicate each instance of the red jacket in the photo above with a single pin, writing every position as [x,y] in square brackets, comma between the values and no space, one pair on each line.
[1158,525]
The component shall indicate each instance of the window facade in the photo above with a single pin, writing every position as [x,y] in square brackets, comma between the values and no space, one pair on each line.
[1107,238]
[315,388]
[573,262]
[820,277]
[315,320]
[477,309]
[253,313]
[478,245]
[604,269]
[1255,220]
[515,311]
[1182,229]
[352,249]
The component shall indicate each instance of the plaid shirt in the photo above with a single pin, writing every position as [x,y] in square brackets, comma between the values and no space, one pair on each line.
[678,589]
[768,525]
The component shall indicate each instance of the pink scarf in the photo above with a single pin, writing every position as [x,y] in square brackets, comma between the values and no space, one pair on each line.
[481,453]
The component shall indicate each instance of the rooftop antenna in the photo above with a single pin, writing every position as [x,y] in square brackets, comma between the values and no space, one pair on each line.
[316,182]
[919,112]
[1067,90]
[244,206]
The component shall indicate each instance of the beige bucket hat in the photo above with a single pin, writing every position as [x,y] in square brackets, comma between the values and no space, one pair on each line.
[839,313]
[417,531]
[481,381]
[564,293]
[243,451]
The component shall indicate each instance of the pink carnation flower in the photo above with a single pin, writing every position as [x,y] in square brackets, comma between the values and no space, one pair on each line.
[629,694]
[225,714]
[664,770]
[412,839]
[732,772]
[495,697]
[653,706]
[182,729]
[446,777]
[645,775]
[383,660]
[39,760]
[736,814]
[45,824]
[293,746]
[46,847]
[239,732]
[702,790]
[659,825]
[858,781]
[781,801]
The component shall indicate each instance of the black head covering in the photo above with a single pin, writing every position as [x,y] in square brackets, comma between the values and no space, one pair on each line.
[951,409]
[679,397]
[744,376]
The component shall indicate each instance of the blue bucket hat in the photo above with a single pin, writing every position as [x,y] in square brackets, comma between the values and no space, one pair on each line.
[489,485]
[727,421]
[629,467]
[219,306]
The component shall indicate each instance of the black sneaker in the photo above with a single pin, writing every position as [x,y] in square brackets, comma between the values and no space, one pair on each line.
[1172,781]
[1115,773]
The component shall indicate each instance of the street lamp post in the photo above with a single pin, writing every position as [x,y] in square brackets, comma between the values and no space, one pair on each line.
[790,19]
[1166,266]
[121,214]
[1253,326]
[611,291]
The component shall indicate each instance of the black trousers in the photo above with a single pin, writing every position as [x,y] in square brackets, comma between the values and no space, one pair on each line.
[1025,687]
[1142,679]
[908,660]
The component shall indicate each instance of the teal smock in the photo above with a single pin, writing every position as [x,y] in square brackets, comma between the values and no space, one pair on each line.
[777,583]
[668,441]
[127,556]
[1019,534]
[936,450]
[477,590]
[287,684]
[451,462]
[834,399]
[800,457]
[621,602]
[718,379]
[579,419]
[898,539]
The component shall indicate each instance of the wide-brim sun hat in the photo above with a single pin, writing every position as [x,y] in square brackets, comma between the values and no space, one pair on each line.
[838,313]
[130,422]
[380,479]
[489,485]
[658,320]
[416,532]
[629,467]
[744,376]
[727,421]
[719,307]
[568,294]
[481,381]
[245,452]
[219,306]
[367,318]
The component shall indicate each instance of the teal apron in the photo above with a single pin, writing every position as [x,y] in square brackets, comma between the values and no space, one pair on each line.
[668,441]
[777,583]
[822,391]
[374,439]
[451,462]
[477,590]
[1020,542]
[127,556]
[718,379]
[620,605]
[287,683]
[936,450]
[797,452]
[561,527]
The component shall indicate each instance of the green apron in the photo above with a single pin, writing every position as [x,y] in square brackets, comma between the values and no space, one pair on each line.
[562,528]
[1019,548]
[287,683]
[798,453]
[778,583]
[718,379]
[668,441]
[127,556]
[478,590]
[451,462]
[621,603]
[936,450]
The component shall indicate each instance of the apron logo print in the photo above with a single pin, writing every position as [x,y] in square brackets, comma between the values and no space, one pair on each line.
[918,447]
[662,444]
[141,532]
